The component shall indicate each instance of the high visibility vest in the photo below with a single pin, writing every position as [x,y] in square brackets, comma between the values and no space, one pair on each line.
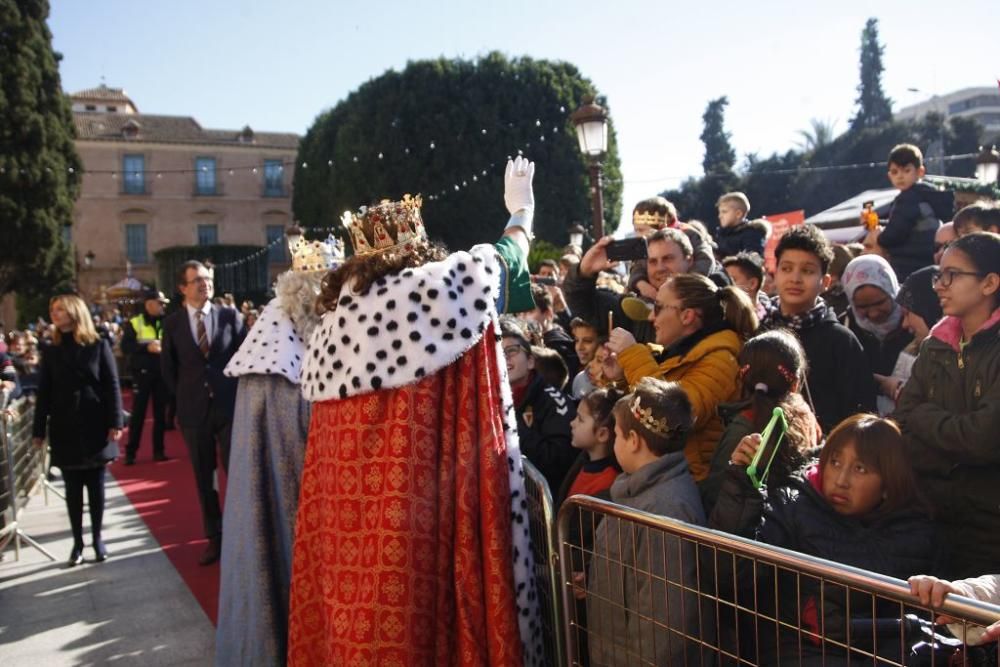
[144,331]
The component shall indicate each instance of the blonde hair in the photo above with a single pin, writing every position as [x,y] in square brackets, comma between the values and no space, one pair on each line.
[84,332]
[738,199]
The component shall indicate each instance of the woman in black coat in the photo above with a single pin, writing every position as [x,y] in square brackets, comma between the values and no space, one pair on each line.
[78,396]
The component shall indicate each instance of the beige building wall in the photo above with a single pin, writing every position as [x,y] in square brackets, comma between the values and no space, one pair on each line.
[170,207]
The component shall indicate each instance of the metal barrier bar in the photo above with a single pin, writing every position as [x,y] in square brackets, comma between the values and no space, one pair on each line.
[660,591]
[541,520]
[23,467]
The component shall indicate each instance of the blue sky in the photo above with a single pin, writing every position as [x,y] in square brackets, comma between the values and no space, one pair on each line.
[277,65]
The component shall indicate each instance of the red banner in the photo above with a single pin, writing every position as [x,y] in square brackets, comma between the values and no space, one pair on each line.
[780,223]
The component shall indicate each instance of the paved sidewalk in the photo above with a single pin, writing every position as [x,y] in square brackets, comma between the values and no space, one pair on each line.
[133,609]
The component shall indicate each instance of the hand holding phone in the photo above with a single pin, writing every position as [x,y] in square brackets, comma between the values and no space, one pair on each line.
[627,249]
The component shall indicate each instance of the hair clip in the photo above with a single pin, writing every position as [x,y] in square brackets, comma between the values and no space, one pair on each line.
[744,369]
[789,376]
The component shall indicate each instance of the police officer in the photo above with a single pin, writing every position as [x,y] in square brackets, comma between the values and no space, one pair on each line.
[141,341]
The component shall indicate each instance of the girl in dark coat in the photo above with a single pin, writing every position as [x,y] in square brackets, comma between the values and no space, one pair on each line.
[78,397]
[859,506]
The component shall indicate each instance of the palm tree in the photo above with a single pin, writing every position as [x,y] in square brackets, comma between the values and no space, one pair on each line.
[818,135]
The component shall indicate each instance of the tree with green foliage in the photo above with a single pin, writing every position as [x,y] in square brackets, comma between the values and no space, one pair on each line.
[39,168]
[874,108]
[819,134]
[444,128]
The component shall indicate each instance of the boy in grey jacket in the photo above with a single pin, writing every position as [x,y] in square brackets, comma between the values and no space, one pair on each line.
[636,608]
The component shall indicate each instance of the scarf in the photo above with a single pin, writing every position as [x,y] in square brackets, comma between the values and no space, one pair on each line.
[800,322]
[875,271]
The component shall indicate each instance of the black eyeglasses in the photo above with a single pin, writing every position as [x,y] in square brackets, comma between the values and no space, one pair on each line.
[946,276]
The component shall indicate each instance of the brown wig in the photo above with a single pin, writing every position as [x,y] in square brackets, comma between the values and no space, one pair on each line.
[358,273]
[666,401]
[879,444]
[727,305]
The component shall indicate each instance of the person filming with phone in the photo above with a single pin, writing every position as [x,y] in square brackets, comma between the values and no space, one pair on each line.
[666,252]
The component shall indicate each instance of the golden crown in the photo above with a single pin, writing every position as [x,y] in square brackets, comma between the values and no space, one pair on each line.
[645,417]
[315,255]
[649,219]
[387,226]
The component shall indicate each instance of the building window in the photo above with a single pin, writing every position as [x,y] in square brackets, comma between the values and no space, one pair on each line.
[134,174]
[90,107]
[274,178]
[208,234]
[277,253]
[204,175]
[135,244]
[112,109]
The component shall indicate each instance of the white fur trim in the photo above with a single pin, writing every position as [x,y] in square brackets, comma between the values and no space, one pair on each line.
[272,347]
[403,328]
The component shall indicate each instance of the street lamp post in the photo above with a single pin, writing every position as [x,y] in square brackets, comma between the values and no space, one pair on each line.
[591,122]
[576,233]
[988,165]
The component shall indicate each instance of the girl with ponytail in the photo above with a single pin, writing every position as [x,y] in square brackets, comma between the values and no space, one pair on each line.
[700,329]
[772,371]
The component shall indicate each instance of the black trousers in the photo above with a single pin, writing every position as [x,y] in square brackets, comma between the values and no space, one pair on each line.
[147,386]
[205,443]
[93,480]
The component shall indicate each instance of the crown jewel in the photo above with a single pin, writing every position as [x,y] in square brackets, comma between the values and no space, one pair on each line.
[645,417]
[649,219]
[315,255]
[389,225]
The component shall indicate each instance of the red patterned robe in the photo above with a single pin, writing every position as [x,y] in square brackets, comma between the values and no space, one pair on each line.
[404,536]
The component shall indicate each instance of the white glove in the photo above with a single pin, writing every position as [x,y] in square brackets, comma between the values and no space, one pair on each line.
[517,193]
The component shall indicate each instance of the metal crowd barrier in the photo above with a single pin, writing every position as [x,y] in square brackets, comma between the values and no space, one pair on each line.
[662,592]
[22,468]
[541,523]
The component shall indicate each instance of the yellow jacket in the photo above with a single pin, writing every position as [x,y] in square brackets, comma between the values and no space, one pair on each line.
[708,374]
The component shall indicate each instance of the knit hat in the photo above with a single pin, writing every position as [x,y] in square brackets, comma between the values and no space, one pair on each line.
[918,296]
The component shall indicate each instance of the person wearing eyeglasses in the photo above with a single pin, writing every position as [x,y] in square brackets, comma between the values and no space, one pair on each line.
[950,406]
[198,341]
[942,239]
[544,413]
[874,316]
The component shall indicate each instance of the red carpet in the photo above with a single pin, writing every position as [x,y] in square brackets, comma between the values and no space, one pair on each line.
[165,496]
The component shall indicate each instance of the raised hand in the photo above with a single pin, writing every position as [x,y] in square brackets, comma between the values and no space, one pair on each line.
[517,192]
[595,259]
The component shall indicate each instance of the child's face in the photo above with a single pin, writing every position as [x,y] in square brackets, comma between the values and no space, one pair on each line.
[799,280]
[965,290]
[583,428]
[903,178]
[742,280]
[729,215]
[585,342]
[519,362]
[849,485]
[625,449]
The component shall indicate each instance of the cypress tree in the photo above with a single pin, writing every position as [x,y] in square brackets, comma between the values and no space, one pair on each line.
[39,168]
[874,108]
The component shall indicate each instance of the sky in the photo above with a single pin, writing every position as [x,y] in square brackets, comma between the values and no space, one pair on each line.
[277,65]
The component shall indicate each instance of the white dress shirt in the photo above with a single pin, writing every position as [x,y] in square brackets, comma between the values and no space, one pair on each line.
[193,321]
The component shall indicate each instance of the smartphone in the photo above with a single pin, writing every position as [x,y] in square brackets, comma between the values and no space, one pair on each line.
[543,280]
[626,249]
[778,422]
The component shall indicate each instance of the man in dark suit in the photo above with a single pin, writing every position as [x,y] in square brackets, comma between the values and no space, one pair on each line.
[198,341]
